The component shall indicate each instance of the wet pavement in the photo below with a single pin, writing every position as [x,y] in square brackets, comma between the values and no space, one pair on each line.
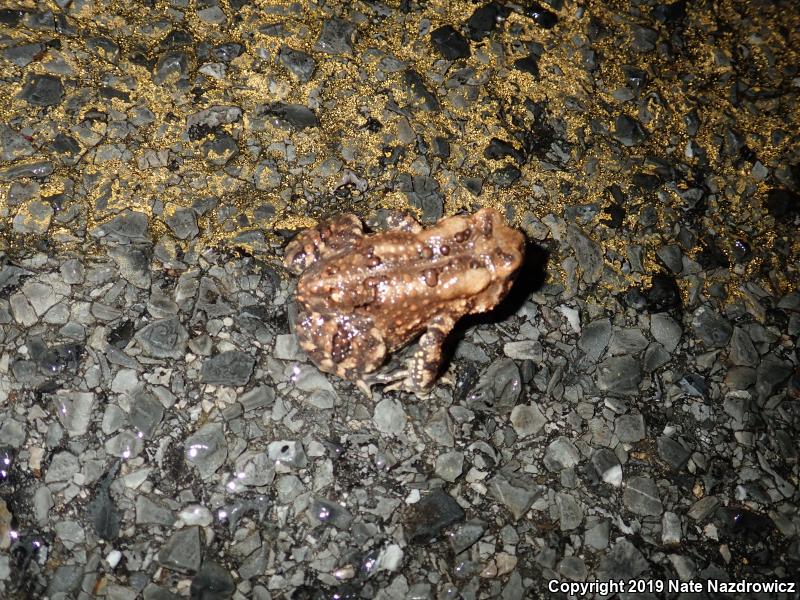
[630,413]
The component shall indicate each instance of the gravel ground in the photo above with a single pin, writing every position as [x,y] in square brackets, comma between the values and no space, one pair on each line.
[631,414]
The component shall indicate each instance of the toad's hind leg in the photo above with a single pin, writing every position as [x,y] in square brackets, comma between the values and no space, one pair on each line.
[345,345]
[423,366]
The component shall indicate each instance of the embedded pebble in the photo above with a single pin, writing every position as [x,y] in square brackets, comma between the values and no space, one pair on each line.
[43,90]
[231,367]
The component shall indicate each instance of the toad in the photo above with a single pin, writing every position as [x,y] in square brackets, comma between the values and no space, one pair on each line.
[362,296]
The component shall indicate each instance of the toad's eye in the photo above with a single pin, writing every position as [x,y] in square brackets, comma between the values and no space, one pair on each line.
[462,236]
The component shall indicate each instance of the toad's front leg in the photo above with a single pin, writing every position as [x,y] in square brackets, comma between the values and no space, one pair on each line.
[423,367]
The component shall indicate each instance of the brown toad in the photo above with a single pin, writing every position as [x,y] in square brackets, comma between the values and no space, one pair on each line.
[363,296]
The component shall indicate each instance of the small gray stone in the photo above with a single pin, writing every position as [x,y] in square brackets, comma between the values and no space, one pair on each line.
[672,452]
[288,488]
[34,218]
[128,227]
[287,347]
[22,56]
[570,511]
[212,14]
[76,412]
[156,592]
[623,561]
[423,193]
[310,379]
[665,330]
[561,454]
[466,534]
[298,63]
[288,452]
[69,533]
[255,564]
[183,223]
[430,102]
[296,116]
[742,350]
[262,396]
[644,38]
[227,52]
[331,513]
[439,427]
[65,581]
[641,497]
[449,42]
[607,466]
[524,350]
[266,177]
[620,375]
[231,367]
[587,253]
[498,389]
[771,373]
[210,300]
[104,47]
[254,469]
[171,67]
[13,145]
[336,37]
[527,420]
[671,529]
[573,568]
[206,449]
[41,295]
[449,465]
[711,328]
[104,515]
[38,169]
[672,257]
[630,428]
[516,495]
[628,340]
[597,536]
[389,416]
[740,378]
[72,271]
[134,263]
[165,338]
[594,339]
[219,149]
[209,119]
[43,90]
[628,131]
[12,433]
[146,413]
[182,551]
[42,505]
[655,357]
[702,508]
[149,512]
[28,374]
[426,519]
[62,468]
